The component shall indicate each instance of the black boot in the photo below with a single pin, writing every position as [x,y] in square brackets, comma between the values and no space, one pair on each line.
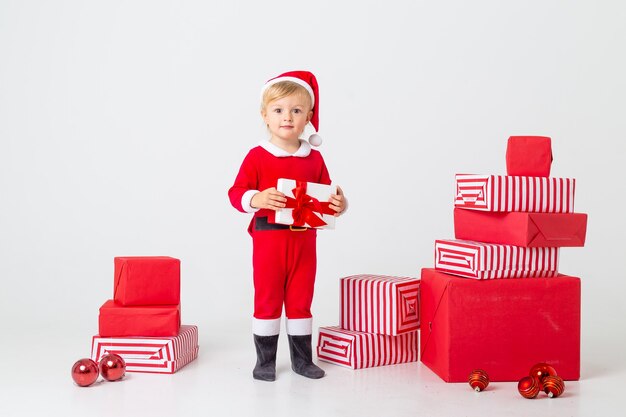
[302,357]
[265,368]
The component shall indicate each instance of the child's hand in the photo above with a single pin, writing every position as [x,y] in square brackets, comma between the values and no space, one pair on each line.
[338,202]
[270,198]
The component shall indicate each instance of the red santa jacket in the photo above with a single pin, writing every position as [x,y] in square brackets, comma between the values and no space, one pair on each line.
[265,164]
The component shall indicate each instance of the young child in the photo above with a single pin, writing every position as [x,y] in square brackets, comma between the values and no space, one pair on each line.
[284,257]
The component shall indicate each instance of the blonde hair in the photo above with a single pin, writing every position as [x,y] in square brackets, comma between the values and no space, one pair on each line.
[283,89]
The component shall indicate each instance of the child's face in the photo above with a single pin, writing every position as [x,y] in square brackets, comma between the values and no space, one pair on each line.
[286,117]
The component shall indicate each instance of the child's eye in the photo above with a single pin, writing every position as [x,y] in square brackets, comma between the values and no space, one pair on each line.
[297,111]
[277,110]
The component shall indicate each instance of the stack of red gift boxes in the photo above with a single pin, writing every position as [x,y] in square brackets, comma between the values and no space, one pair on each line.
[378,325]
[142,322]
[515,310]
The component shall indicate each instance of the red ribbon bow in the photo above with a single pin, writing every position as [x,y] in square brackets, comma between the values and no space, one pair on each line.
[304,207]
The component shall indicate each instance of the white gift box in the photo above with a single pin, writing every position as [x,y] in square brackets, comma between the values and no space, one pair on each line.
[164,355]
[317,192]
[358,350]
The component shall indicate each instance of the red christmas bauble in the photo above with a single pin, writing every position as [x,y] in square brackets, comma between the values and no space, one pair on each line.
[84,372]
[540,371]
[528,387]
[553,385]
[478,379]
[112,367]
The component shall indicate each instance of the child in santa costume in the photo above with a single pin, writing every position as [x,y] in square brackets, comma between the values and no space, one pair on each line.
[284,257]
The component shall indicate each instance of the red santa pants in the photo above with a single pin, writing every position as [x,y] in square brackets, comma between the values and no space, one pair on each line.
[284,264]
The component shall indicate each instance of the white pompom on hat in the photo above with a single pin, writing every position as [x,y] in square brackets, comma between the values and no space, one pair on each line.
[307,80]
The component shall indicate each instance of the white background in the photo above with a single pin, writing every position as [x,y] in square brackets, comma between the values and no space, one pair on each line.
[123,124]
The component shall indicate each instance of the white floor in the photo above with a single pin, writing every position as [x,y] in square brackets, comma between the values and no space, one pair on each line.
[35,380]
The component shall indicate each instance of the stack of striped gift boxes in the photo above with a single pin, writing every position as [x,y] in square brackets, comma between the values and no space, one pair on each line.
[515,310]
[378,325]
[142,322]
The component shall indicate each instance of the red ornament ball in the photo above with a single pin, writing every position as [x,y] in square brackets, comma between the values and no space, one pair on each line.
[85,372]
[112,367]
[528,387]
[540,371]
[478,379]
[553,385]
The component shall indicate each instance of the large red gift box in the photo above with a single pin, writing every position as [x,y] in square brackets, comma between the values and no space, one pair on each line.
[147,280]
[503,326]
[529,156]
[521,229]
[158,321]
[358,350]
[163,355]
[379,304]
[507,193]
[480,260]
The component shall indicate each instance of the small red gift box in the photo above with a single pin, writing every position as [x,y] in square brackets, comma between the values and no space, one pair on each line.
[358,350]
[529,156]
[481,260]
[521,229]
[157,321]
[503,326]
[163,355]
[379,304]
[507,193]
[147,280]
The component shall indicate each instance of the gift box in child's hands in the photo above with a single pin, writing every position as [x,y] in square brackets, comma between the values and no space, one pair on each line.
[307,204]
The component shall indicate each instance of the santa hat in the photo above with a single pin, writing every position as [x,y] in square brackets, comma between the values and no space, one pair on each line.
[307,80]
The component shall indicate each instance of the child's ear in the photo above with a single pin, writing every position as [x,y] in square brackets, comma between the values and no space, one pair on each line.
[264,115]
[309,116]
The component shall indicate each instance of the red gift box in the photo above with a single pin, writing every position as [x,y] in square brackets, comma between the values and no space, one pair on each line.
[147,280]
[503,326]
[158,321]
[163,355]
[529,156]
[358,350]
[521,229]
[507,193]
[481,260]
[379,304]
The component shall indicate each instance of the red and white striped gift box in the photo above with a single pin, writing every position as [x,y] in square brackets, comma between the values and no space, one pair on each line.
[379,304]
[489,260]
[509,193]
[164,355]
[358,350]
